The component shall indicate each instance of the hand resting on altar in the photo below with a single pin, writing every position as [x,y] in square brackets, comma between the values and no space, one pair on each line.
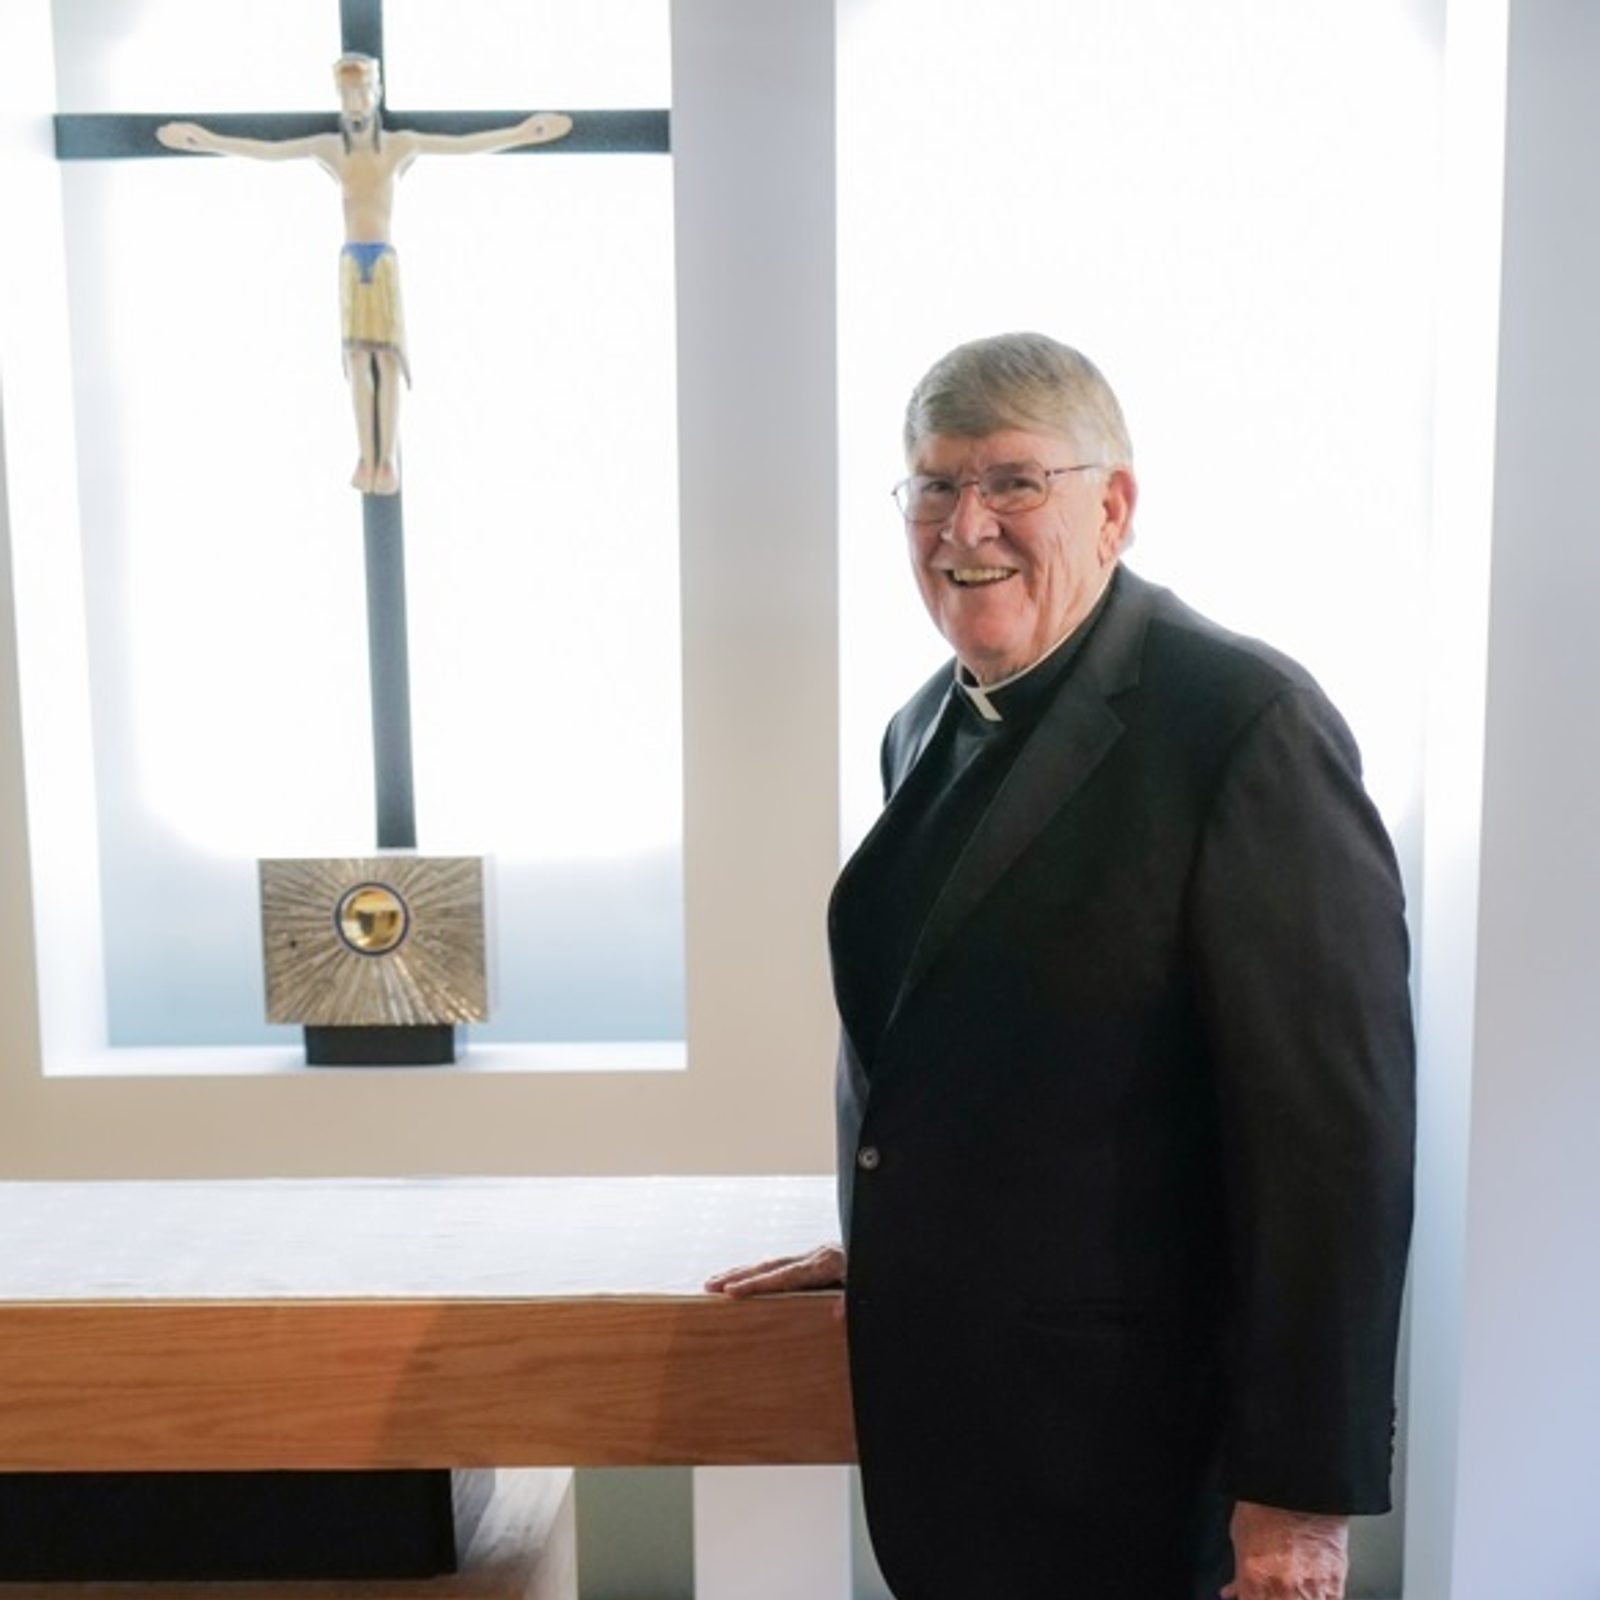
[823,1268]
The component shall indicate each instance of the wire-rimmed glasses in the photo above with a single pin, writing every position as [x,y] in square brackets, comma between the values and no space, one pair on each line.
[1007,488]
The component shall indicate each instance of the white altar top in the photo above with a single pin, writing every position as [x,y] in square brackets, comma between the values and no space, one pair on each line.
[353,1239]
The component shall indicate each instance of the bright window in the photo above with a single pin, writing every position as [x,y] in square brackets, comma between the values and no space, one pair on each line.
[1233,209]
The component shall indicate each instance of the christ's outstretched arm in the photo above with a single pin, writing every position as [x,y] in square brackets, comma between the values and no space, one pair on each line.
[191,136]
[541,128]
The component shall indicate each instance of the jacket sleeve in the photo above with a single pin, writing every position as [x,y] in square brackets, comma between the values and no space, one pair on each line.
[1299,945]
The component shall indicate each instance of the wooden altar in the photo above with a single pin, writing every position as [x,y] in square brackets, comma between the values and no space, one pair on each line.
[244,1325]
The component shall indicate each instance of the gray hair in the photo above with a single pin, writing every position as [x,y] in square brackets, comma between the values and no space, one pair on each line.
[1019,380]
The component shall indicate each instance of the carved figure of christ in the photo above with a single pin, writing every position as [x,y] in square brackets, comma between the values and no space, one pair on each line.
[364,159]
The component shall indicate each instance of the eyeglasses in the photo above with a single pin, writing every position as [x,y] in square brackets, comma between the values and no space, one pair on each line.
[1008,488]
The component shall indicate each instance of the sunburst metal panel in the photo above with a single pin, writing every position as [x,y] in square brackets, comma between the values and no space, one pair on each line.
[316,975]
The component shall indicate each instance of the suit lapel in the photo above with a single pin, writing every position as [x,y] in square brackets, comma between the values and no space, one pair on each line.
[1072,738]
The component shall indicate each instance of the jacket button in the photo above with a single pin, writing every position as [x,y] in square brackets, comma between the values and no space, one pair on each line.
[867,1158]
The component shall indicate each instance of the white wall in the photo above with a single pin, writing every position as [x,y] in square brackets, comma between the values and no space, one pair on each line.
[753,137]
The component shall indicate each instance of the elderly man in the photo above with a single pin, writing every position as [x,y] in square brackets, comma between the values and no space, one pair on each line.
[364,159]
[1126,1083]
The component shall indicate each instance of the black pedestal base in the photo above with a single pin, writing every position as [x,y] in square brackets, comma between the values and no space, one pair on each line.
[105,1527]
[431,1046]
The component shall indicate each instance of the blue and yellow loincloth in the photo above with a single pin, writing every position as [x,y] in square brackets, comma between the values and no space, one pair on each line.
[369,301]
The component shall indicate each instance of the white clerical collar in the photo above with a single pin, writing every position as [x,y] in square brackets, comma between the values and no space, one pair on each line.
[979,693]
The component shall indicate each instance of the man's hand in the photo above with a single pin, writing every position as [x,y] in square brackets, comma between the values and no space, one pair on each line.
[1287,1555]
[823,1268]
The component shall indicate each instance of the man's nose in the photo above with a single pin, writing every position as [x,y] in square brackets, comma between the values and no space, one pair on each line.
[972,521]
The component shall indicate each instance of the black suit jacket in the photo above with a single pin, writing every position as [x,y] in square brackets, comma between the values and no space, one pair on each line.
[1127,1185]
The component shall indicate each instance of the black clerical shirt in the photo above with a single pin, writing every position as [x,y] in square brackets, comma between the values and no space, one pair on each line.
[891,884]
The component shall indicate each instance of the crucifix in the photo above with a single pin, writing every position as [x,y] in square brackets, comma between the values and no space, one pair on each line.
[102,137]
[365,159]
[365,150]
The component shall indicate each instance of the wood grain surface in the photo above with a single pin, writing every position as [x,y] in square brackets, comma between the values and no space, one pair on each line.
[608,1380]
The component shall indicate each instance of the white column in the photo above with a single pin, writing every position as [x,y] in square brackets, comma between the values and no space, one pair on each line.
[753,140]
[1468,282]
[753,165]
[1506,1432]
[772,1533]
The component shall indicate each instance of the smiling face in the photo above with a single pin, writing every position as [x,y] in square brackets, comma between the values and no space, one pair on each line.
[1005,588]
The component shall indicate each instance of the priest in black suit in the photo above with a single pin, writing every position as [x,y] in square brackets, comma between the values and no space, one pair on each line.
[1126,1086]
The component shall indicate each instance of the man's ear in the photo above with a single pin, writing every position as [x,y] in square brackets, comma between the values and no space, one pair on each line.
[1117,500]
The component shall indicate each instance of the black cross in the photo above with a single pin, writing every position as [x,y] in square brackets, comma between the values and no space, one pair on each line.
[117,136]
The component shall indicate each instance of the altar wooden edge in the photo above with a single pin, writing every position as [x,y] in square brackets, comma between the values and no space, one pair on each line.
[306,1384]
